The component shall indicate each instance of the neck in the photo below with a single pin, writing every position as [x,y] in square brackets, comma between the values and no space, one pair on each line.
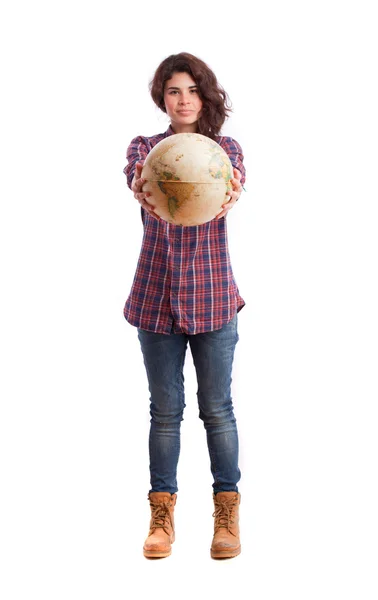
[184,128]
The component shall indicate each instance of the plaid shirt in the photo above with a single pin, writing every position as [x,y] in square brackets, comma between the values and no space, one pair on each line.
[183,281]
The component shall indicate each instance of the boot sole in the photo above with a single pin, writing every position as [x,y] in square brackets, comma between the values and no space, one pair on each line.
[156,554]
[217,554]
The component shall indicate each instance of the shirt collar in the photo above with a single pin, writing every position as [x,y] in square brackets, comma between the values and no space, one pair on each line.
[169,131]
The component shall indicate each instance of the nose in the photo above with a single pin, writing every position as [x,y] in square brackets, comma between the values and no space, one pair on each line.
[184,99]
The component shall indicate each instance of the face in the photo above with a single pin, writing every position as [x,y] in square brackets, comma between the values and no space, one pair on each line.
[182,103]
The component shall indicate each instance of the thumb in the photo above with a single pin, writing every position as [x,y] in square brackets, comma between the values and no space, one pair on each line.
[138,168]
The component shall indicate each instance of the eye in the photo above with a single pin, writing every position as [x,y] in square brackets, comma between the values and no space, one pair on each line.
[194,91]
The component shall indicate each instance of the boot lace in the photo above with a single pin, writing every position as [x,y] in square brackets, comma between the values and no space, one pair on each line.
[161,517]
[224,514]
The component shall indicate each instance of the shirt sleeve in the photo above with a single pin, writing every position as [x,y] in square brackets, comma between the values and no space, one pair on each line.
[136,152]
[235,153]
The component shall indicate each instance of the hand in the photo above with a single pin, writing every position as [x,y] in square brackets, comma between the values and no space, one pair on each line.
[232,196]
[136,186]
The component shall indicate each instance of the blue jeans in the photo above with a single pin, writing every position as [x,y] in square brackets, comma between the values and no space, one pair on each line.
[164,357]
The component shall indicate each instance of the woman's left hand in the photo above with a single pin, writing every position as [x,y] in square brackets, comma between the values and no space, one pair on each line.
[233,195]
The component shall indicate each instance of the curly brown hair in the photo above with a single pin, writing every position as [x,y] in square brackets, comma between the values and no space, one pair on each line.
[216,105]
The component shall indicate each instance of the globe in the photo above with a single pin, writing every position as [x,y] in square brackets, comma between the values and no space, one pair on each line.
[188,175]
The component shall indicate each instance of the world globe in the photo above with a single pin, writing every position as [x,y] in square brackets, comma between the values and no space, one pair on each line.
[188,176]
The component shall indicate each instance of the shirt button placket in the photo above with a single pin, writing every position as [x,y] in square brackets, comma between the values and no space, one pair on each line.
[176,275]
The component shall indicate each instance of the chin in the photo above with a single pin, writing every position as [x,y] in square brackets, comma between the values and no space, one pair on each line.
[187,121]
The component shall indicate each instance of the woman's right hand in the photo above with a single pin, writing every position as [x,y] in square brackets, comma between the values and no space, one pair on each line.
[136,186]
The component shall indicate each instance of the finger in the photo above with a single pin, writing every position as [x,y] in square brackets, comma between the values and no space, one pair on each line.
[147,204]
[138,168]
[151,211]
[225,209]
[236,185]
[137,186]
[237,174]
[230,198]
[228,205]
[141,196]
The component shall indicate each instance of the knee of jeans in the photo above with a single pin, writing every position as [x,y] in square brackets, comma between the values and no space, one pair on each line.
[168,418]
[218,416]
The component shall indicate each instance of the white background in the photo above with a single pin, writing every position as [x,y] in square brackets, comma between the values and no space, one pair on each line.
[302,77]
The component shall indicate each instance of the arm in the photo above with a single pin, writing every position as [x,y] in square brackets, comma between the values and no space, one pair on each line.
[136,155]
[236,157]
[235,154]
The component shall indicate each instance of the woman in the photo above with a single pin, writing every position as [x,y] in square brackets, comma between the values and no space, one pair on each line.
[186,89]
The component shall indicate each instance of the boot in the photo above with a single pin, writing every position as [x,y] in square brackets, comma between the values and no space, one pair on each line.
[162,528]
[226,541]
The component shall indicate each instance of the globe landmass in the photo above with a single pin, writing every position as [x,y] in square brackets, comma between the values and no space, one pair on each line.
[188,175]
[178,194]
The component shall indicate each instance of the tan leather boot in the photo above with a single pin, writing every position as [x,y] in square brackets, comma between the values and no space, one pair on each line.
[226,540]
[162,527]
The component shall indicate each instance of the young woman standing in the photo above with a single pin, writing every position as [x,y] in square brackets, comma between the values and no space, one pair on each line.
[184,293]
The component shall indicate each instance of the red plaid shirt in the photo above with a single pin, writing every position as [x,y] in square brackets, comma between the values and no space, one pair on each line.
[183,281]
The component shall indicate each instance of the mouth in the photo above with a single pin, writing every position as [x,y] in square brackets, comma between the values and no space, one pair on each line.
[185,112]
